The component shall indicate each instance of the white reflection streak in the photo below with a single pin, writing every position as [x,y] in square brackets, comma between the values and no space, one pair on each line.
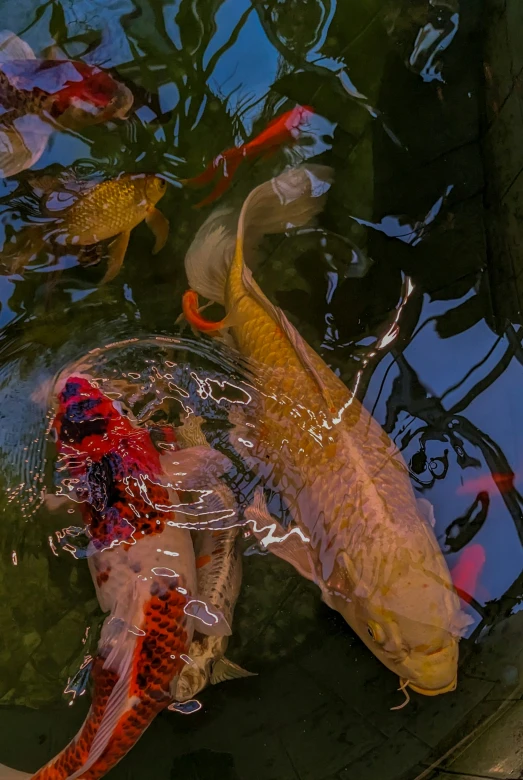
[271,538]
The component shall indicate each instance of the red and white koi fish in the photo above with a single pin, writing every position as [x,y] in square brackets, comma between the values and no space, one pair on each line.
[282,130]
[143,566]
[35,93]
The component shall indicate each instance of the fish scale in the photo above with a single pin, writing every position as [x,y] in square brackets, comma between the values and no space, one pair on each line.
[111,207]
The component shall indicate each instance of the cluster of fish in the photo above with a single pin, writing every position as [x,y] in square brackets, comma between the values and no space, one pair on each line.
[169,577]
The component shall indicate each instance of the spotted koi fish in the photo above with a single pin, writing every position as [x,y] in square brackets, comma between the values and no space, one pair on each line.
[143,566]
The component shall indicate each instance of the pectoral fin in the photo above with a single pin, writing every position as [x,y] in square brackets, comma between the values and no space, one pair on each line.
[117,251]
[223,670]
[291,546]
[159,226]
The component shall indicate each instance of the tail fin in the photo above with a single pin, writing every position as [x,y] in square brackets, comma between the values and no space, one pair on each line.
[291,199]
[6,773]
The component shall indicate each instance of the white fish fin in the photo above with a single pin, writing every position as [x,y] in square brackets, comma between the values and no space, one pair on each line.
[14,48]
[223,670]
[287,201]
[22,143]
[6,773]
[210,621]
[208,258]
[195,464]
[291,546]
[427,511]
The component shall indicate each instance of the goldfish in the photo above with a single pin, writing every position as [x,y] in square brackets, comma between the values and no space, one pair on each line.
[39,95]
[88,214]
[142,563]
[466,573]
[281,130]
[219,576]
[357,530]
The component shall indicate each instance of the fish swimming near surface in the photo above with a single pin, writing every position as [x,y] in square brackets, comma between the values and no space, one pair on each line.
[357,529]
[82,216]
[467,572]
[142,563]
[282,130]
[38,96]
[219,576]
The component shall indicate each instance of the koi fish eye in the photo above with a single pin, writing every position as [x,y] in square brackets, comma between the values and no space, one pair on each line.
[376,633]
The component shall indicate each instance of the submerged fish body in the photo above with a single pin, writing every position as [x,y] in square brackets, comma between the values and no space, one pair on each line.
[219,576]
[110,209]
[143,567]
[36,94]
[357,529]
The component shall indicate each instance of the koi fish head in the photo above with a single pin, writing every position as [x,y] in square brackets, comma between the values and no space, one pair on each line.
[95,97]
[86,416]
[406,611]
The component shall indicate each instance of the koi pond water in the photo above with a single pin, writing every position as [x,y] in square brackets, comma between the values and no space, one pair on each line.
[124,126]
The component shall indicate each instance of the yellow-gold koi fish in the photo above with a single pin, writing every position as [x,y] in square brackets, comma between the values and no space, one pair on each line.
[85,215]
[357,529]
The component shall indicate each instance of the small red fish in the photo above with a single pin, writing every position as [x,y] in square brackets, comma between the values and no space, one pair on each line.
[466,573]
[282,130]
[503,482]
[143,566]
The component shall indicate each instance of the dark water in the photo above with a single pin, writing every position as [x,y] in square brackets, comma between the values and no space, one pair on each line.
[397,91]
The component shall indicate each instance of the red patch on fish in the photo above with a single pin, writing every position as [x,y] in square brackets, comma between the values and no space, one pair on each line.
[503,482]
[62,81]
[282,130]
[203,560]
[466,573]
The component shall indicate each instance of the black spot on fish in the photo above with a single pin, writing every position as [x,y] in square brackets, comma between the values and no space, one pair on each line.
[136,567]
[155,589]
[77,424]
[70,390]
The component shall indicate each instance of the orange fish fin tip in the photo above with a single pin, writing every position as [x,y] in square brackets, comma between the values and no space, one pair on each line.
[117,251]
[14,48]
[223,670]
[158,224]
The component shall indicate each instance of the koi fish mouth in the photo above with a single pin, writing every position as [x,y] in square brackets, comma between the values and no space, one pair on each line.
[432,691]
